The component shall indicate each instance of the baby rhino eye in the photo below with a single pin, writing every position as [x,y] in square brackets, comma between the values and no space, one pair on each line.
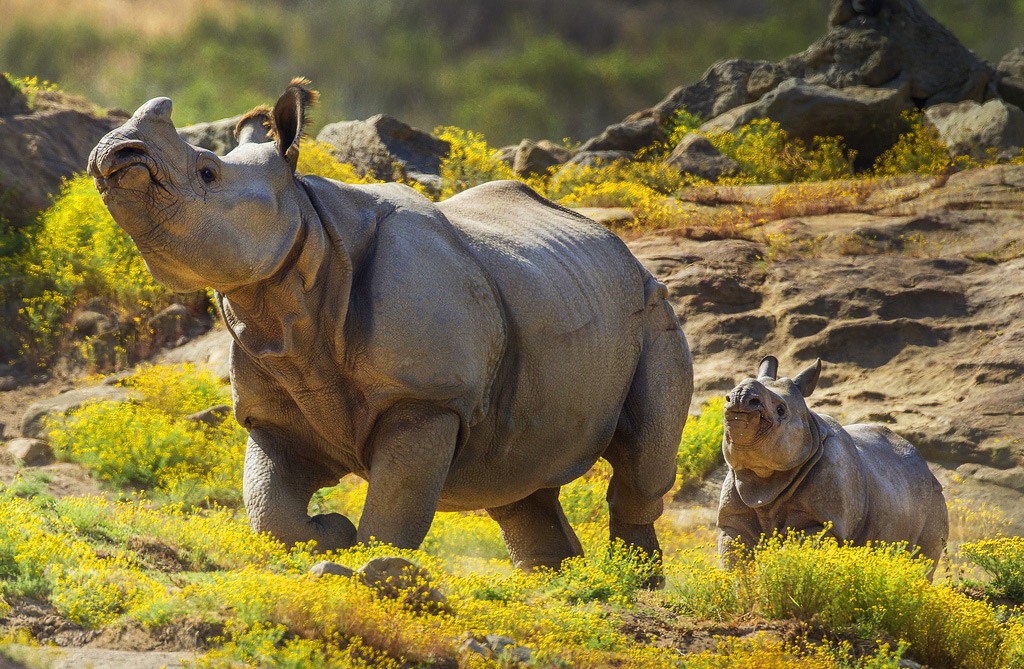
[781,410]
[207,175]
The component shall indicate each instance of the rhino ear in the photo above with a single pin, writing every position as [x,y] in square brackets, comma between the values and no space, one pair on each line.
[807,380]
[255,126]
[769,367]
[290,118]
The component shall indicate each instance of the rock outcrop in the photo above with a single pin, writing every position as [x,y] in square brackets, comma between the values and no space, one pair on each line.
[38,150]
[878,59]
[388,149]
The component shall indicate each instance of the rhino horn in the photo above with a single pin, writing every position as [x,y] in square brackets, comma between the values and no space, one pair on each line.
[289,118]
[769,367]
[807,380]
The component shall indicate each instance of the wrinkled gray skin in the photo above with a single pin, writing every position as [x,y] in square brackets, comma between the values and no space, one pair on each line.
[793,469]
[477,353]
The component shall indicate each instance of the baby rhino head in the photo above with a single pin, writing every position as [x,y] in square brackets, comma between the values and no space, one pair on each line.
[202,220]
[768,427]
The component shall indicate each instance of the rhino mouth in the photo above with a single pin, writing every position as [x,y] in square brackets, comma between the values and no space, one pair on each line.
[744,428]
[125,166]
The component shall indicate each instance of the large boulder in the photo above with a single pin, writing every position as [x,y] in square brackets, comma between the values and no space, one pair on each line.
[38,151]
[387,149]
[870,43]
[868,118]
[977,130]
[697,156]
[630,135]
[725,85]
[216,136]
[1010,77]
[534,158]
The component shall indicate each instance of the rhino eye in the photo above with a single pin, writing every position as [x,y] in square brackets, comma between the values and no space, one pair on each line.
[781,410]
[207,175]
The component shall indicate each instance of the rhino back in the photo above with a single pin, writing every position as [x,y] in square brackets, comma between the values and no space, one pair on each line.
[572,296]
[902,491]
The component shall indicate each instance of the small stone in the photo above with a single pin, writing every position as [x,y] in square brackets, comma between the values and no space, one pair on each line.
[328,568]
[8,383]
[213,416]
[32,452]
[398,578]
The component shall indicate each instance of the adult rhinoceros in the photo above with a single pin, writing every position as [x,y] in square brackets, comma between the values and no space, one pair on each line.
[477,353]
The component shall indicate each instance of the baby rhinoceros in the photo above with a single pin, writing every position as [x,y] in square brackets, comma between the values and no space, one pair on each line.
[477,353]
[791,469]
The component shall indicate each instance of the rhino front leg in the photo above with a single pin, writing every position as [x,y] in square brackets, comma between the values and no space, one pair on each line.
[413,445]
[277,486]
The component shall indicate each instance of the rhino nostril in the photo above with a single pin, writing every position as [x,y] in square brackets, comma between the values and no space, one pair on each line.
[754,402]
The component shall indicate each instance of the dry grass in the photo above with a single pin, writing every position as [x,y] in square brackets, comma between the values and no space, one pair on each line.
[150,19]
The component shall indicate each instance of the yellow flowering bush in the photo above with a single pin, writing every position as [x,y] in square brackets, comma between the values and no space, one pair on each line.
[700,449]
[316,158]
[470,161]
[1002,559]
[149,443]
[918,150]
[77,251]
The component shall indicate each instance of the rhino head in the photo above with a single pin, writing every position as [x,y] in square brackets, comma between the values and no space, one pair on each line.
[768,427]
[201,220]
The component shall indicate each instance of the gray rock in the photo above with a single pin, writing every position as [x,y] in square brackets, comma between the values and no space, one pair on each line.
[725,85]
[8,383]
[1010,77]
[32,452]
[211,350]
[974,129]
[398,578]
[92,324]
[533,158]
[892,40]
[507,154]
[212,417]
[867,118]
[388,149]
[498,647]
[38,151]
[599,158]
[697,156]
[12,101]
[174,323]
[630,135]
[34,418]
[216,136]
[328,568]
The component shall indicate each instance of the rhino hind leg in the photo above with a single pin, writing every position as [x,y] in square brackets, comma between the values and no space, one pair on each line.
[277,490]
[536,531]
[643,450]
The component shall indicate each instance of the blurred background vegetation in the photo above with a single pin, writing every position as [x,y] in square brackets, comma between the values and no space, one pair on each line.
[507,68]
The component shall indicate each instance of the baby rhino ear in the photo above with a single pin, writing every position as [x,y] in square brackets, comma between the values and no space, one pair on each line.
[807,380]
